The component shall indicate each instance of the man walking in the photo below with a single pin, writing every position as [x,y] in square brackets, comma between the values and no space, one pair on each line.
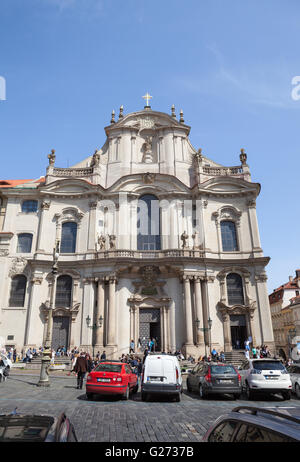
[81,367]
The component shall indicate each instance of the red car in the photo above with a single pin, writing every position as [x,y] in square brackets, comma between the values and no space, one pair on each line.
[111,378]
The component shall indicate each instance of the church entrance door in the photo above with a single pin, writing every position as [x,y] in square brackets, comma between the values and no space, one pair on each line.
[149,321]
[238,331]
[60,334]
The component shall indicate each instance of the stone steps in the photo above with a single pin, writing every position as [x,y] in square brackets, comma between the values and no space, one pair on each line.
[235,357]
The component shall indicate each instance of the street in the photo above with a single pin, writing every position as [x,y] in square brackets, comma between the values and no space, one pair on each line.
[110,419]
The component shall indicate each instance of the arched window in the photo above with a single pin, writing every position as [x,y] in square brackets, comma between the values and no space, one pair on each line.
[63,291]
[228,233]
[148,224]
[24,243]
[17,290]
[235,293]
[68,237]
[29,206]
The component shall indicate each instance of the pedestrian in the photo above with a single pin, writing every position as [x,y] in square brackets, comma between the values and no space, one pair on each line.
[214,354]
[81,367]
[131,349]
[222,357]
[154,344]
[90,362]
[146,352]
[139,370]
[139,346]
[14,355]
[103,356]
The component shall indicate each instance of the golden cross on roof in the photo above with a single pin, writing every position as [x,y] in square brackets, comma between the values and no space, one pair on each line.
[147,97]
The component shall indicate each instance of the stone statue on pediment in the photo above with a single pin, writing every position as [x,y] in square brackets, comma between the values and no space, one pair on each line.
[112,242]
[96,159]
[147,148]
[184,237]
[101,242]
[52,157]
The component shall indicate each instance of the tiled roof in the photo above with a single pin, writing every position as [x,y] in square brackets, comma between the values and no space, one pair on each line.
[18,183]
[12,183]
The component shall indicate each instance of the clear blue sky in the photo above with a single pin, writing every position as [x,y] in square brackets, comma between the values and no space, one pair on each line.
[227,64]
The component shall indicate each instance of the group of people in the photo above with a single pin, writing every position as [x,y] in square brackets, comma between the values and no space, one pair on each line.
[257,351]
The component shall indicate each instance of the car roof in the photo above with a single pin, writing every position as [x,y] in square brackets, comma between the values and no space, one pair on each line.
[285,421]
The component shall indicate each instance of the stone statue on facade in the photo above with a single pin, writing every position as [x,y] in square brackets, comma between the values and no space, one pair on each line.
[52,157]
[184,238]
[96,159]
[147,147]
[243,157]
[112,242]
[101,242]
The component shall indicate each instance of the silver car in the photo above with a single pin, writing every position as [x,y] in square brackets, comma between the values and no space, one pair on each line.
[294,371]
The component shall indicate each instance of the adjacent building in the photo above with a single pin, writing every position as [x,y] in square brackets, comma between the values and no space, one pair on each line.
[285,312]
[153,239]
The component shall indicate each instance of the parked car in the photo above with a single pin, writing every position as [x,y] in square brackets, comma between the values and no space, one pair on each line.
[161,375]
[111,378]
[294,371]
[36,428]
[246,424]
[214,378]
[265,375]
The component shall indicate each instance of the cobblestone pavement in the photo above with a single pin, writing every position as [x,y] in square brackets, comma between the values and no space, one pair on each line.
[111,419]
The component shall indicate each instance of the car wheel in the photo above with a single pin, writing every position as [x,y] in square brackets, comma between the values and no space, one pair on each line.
[286,395]
[144,396]
[135,389]
[178,398]
[126,394]
[188,386]
[297,390]
[249,393]
[202,394]
[89,396]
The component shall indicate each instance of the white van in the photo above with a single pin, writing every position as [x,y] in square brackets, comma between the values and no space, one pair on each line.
[161,374]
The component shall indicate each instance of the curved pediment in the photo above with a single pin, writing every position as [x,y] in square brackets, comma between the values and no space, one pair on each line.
[154,183]
[229,185]
[147,120]
[68,187]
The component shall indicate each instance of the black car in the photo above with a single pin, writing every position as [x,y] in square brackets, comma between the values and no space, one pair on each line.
[209,378]
[36,428]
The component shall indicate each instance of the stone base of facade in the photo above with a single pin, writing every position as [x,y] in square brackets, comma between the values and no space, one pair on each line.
[193,350]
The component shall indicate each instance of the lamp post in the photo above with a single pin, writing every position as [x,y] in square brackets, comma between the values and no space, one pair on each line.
[205,329]
[46,359]
[291,334]
[94,327]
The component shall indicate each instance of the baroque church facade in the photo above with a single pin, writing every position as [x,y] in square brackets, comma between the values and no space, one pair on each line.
[145,238]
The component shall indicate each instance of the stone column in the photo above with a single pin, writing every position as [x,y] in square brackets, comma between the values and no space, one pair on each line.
[42,235]
[87,310]
[111,340]
[253,225]
[188,310]
[166,336]
[33,311]
[92,226]
[162,329]
[132,310]
[99,338]
[267,337]
[227,332]
[205,309]
[252,328]
[199,310]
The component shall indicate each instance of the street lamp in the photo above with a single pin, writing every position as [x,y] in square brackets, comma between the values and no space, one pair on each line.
[95,326]
[205,329]
[46,359]
[291,334]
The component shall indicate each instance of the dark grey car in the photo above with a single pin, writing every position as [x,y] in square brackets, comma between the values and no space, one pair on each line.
[247,424]
[210,378]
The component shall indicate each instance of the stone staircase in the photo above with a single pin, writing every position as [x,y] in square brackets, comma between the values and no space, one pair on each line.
[36,363]
[235,357]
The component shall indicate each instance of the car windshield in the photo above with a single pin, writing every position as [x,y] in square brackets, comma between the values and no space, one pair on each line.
[223,370]
[108,368]
[268,365]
